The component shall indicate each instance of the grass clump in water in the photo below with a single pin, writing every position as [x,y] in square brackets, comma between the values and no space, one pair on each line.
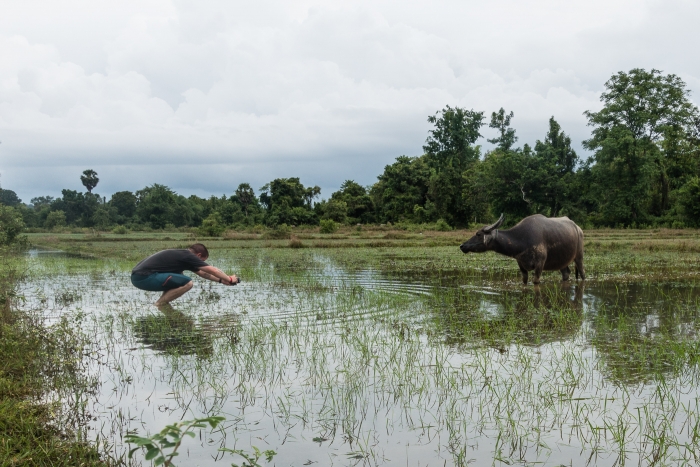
[294,242]
[33,360]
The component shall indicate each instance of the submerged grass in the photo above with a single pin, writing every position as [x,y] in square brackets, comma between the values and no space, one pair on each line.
[33,361]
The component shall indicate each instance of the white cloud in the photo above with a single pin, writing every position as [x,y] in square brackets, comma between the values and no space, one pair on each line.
[204,95]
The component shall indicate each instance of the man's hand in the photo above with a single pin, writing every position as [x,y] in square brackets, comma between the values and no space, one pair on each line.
[217,275]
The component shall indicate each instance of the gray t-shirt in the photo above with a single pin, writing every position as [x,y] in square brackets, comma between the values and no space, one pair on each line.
[175,261]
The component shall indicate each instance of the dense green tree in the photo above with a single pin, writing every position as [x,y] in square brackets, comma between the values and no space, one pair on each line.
[450,143]
[184,213]
[197,209]
[105,216]
[55,219]
[245,196]
[92,203]
[449,152]
[334,209]
[476,188]
[507,174]
[289,202]
[241,209]
[125,204]
[401,192]
[32,217]
[42,201]
[212,225]
[638,138]
[552,172]
[9,198]
[78,207]
[11,225]
[689,199]
[509,182]
[501,121]
[156,205]
[358,203]
[69,205]
[89,179]
[226,211]
[230,213]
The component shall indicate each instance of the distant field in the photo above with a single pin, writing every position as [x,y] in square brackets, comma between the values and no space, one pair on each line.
[622,254]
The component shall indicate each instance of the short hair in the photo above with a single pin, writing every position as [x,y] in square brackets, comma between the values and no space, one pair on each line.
[199,249]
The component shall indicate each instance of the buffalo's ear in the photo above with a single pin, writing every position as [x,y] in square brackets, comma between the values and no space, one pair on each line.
[496,225]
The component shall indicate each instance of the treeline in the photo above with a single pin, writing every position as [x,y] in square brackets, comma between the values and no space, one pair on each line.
[644,171]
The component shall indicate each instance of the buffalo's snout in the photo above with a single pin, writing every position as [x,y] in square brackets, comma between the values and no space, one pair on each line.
[464,247]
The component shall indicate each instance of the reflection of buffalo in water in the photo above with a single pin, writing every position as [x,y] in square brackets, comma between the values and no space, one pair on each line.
[645,331]
[530,316]
[537,243]
[172,332]
[640,331]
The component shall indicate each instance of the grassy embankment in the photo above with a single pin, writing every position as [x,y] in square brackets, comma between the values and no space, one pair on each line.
[33,359]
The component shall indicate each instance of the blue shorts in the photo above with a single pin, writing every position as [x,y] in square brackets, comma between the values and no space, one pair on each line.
[159,281]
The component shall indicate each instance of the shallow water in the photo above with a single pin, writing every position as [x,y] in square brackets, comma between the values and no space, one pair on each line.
[335,366]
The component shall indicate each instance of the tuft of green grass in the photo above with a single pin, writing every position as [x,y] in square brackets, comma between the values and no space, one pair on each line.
[294,242]
[31,362]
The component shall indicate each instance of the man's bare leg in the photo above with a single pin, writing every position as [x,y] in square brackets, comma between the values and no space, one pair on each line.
[172,294]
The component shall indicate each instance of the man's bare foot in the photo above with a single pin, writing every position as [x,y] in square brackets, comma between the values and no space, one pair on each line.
[172,294]
[164,307]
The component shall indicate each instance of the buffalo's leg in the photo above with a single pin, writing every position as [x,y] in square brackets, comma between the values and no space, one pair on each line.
[538,273]
[565,273]
[523,273]
[579,268]
[578,299]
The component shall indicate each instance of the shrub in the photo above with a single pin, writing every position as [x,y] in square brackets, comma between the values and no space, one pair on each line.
[328,226]
[212,226]
[282,231]
[11,225]
[55,219]
[336,210]
[442,226]
[120,230]
[689,199]
[294,242]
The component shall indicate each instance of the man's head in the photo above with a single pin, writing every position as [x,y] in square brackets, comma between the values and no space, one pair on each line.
[199,250]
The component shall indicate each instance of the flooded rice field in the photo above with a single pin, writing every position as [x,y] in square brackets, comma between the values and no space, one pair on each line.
[337,358]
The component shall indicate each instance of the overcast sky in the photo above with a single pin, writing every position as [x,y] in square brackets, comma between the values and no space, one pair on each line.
[203,95]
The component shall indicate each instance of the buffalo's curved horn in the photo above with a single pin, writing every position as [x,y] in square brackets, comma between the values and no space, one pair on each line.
[494,226]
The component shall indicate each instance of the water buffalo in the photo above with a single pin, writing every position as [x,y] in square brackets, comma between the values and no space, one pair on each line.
[537,243]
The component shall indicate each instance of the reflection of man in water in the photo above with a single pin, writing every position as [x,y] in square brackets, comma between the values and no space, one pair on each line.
[163,272]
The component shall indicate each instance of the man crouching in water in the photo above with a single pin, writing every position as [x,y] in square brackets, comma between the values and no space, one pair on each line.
[163,272]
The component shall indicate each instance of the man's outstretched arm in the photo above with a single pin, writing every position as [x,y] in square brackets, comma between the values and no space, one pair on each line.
[216,275]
